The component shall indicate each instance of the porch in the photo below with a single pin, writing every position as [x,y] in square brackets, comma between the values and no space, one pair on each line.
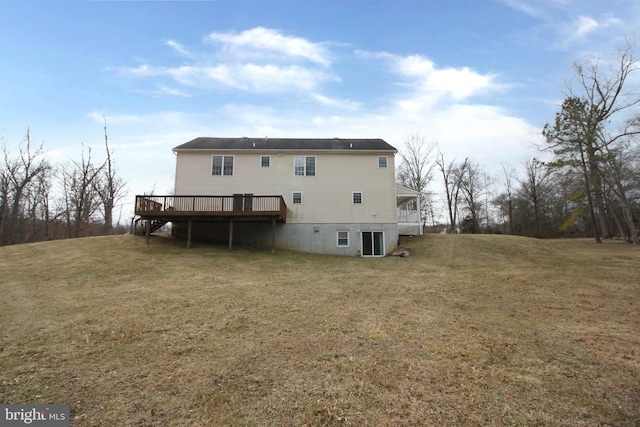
[155,211]
[408,211]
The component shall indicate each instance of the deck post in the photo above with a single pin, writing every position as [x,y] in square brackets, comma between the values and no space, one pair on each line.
[230,233]
[148,230]
[189,234]
[273,236]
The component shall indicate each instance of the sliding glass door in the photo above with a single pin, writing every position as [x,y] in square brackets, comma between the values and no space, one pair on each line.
[372,243]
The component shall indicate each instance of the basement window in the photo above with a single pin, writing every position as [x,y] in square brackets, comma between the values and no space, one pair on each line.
[343,238]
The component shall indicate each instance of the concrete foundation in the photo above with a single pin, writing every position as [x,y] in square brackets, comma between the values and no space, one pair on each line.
[311,238]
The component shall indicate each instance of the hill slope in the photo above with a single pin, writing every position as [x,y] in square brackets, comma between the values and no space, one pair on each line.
[467,330]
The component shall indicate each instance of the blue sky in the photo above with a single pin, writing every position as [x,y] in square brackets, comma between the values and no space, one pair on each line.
[479,77]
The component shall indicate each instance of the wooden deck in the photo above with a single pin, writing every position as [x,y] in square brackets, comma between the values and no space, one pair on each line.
[247,207]
[155,211]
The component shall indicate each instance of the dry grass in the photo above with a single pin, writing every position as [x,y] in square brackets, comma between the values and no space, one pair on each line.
[469,330]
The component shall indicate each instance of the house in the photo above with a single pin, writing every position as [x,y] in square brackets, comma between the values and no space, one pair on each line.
[329,196]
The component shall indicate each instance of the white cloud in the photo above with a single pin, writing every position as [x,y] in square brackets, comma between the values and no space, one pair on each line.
[179,48]
[337,103]
[263,42]
[582,26]
[585,25]
[563,23]
[485,133]
[521,6]
[414,66]
[163,90]
[151,121]
[142,70]
[273,78]
[246,77]
[434,83]
[540,9]
[259,60]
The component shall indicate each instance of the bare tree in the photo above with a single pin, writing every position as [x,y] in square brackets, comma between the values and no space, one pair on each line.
[416,169]
[620,169]
[18,174]
[38,202]
[110,186]
[509,176]
[81,199]
[532,188]
[470,178]
[4,198]
[451,176]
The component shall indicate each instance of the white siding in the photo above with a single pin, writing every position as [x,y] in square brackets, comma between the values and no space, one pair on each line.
[327,195]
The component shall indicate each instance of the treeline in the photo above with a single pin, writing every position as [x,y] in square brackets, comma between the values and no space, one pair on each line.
[540,199]
[42,201]
[588,186]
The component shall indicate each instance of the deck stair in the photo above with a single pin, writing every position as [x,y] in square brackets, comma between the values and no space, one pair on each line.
[155,225]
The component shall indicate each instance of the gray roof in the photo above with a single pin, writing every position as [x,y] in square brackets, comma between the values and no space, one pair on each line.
[286,144]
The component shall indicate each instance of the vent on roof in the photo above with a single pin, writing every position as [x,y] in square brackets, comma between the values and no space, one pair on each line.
[350,145]
[254,144]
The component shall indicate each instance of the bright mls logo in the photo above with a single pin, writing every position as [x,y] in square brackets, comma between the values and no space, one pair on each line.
[34,415]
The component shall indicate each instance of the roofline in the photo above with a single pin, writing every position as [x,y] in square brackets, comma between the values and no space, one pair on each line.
[407,188]
[289,145]
[274,150]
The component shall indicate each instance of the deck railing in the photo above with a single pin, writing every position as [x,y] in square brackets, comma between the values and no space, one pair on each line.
[236,205]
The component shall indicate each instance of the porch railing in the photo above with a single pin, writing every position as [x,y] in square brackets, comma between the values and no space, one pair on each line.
[406,215]
[235,205]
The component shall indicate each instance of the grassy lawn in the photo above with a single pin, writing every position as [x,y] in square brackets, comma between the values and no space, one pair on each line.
[468,330]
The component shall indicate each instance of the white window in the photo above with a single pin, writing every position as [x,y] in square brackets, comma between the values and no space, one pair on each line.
[222,165]
[265,161]
[357,197]
[382,161]
[304,165]
[297,197]
[343,238]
